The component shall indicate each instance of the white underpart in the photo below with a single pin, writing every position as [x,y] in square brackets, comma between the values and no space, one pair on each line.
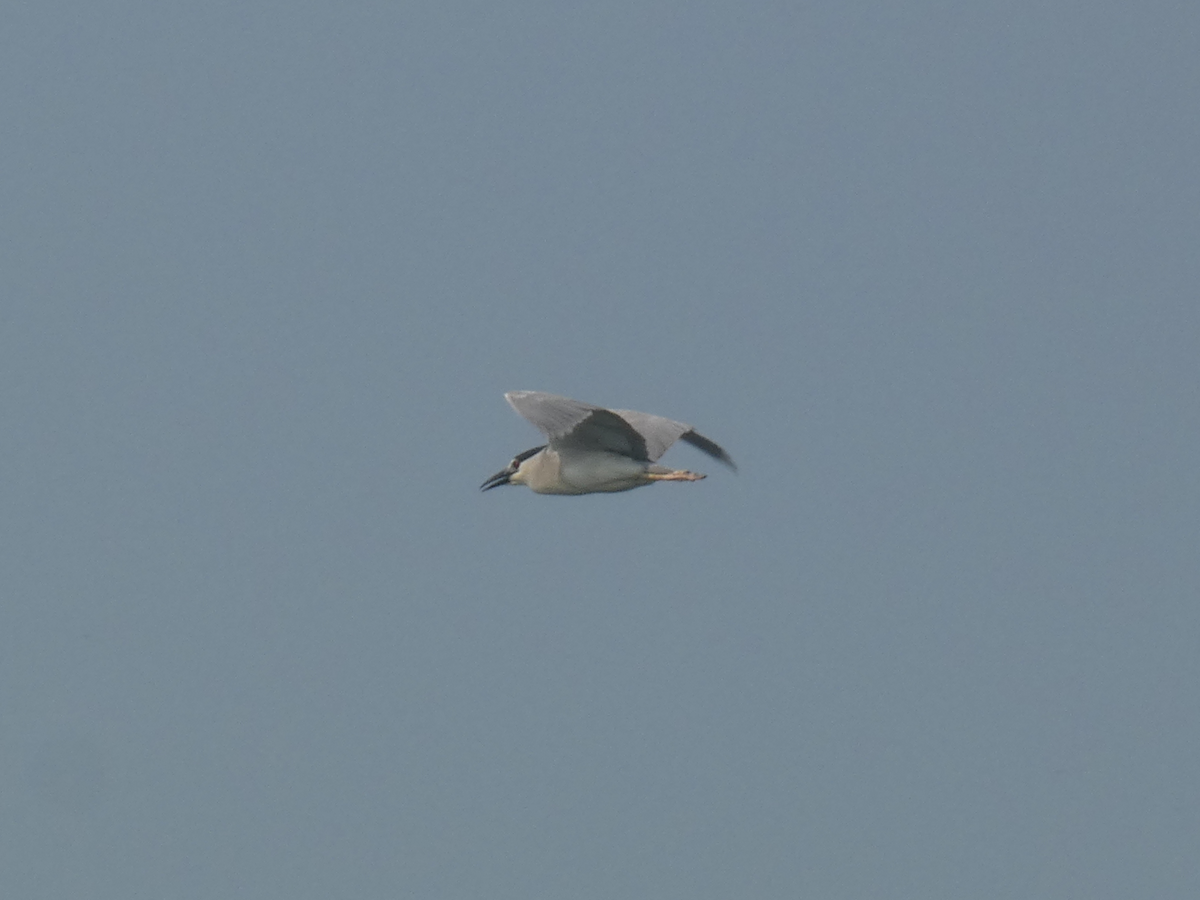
[586,473]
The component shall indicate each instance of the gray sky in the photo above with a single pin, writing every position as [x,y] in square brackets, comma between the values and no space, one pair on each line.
[929,271]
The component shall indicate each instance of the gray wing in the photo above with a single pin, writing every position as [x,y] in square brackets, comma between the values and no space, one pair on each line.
[658,433]
[661,433]
[581,426]
[577,425]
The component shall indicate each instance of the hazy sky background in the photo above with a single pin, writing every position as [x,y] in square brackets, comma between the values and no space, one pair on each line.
[929,271]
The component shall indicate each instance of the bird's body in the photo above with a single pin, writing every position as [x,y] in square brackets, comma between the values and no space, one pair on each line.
[595,450]
[573,472]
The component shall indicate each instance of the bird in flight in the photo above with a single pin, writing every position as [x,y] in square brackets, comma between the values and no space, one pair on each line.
[596,450]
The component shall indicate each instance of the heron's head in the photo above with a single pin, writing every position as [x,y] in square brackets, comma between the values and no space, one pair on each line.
[514,472]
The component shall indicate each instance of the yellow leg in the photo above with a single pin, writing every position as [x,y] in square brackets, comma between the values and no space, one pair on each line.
[677,475]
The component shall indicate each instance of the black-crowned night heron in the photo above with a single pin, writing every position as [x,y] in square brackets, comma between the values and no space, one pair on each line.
[593,449]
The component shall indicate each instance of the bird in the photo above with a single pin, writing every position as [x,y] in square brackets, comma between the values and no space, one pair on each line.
[593,450]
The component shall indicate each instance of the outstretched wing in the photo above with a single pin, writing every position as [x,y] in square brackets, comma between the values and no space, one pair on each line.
[577,425]
[658,433]
[573,424]
[661,433]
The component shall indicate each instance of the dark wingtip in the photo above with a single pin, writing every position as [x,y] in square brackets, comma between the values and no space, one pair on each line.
[712,448]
